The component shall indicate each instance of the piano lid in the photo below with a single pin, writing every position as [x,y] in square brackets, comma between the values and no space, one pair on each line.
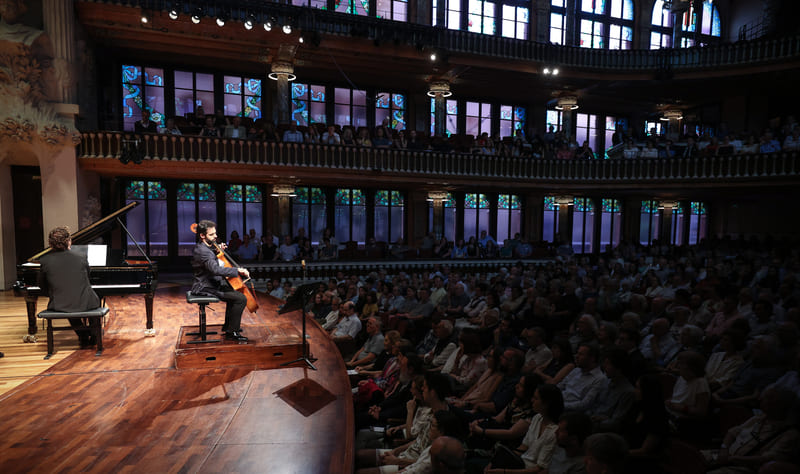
[92,231]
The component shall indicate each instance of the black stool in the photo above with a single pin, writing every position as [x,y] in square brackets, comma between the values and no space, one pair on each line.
[95,317]
[201,301]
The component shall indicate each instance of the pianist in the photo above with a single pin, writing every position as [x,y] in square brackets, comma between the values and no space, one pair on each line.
[208,279]
[64,277]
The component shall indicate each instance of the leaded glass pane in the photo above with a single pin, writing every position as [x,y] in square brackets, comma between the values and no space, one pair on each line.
[205,192]
[186,192]
[470,201]
[611,205]
[302,195]
[550,203]
[233,193]
[135,190]
[156,190]
[698,208]
[382,198]
[397,199]
[650,207]
[253,193]
[342,197]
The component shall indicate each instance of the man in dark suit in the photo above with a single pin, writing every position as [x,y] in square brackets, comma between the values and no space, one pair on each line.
[209,279]
[145,125]
[64,277]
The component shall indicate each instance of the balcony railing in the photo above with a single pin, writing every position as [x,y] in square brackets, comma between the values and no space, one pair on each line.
[290,157]
[333,23]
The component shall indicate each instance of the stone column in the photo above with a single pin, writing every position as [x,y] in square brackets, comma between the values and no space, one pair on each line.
[541,26]
[566,104]
[440,90]
[565,220]
[8,248]
[284,194]
[283,73]
[437,199]
[59,24]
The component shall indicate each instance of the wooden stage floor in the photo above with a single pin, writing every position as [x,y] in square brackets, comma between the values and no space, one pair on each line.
[131,410]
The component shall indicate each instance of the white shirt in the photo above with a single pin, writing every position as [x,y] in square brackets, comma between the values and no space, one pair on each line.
[580,388]
[540,448]
[349,326]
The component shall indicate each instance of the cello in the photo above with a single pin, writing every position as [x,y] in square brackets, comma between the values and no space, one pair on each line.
[237,283]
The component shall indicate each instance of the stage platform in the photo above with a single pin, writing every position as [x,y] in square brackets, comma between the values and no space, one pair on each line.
[132,410]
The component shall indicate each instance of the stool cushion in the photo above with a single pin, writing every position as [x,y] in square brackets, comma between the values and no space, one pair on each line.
[200,299]
[93,313]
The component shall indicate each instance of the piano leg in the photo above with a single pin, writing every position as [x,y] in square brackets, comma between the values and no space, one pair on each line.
[30,304]
[148,306]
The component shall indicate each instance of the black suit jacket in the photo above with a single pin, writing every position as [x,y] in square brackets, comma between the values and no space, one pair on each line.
[208,273]
[64,277]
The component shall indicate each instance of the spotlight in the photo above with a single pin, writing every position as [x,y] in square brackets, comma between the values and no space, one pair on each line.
[287,28]
[220,21]
[433,56]
[301,39]
[145,19]
[197,15]
[174,12]
[268,24]
[249,22]
[546,70]
[555,71]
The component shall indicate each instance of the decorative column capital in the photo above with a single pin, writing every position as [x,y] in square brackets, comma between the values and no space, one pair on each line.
[282,68]
[439,87]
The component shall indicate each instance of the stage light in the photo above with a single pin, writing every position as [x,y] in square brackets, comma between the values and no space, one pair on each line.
[287,28]
[174,12]
[145,19]
[301,39]
[268,24]
[220,21]
[249,22]
[197,15]
[433,56]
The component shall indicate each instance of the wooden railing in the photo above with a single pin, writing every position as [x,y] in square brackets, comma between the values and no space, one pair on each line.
[325,22]
[109,146]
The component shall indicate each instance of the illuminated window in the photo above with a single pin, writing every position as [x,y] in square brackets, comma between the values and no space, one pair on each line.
[142,88]
[243,209]
[612,125]
[350,107]
[512,121]
[451,122]
[392,106]
[350,215]
[582,225]
[392,9]
[309,212]
[193,90]
[606,24]
[320,4]
[479,118]
[242,96]
[147,223]
[661,26]
[481,17]
[308,104]
[389,216]
[698,222]
[452,15]
[610,224]
[476,215]
[196,202]
[586,130]
[649,222]
[558,28]
[509,217]
[353,7]
[515,22]
[555,119]
[550,219]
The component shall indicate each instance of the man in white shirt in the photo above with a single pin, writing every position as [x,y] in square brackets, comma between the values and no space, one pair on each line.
[538,355]
[659,347]
[348,327]
[330,137]
[235,129]
[288,251]
[371,348]
[581,386]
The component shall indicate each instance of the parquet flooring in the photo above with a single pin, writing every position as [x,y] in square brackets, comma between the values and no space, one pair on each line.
[130,410]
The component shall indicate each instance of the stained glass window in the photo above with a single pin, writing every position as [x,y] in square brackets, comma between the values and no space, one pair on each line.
[243,210]
[610,224]
[452,13]
[319,4]
[193,90]
[512,121]
[583,225]
[509,217]
[592,34]
[351,215]
[196,201]
[558,28]
[353,7]
[515,22]
[242,97]
[451,122]
[389,215]
[649,222]
[147,223]
[555,118]
[479,118]
[606,24]
[142,88]
[476,214]
[678,225]
[481,17]
[308,104]
[309,211]
[350,107]
[393,106]
[550,219]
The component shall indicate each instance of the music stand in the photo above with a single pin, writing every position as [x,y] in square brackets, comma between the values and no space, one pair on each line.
[299,300]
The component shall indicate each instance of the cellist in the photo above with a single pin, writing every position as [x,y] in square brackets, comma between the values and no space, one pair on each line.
[209,279]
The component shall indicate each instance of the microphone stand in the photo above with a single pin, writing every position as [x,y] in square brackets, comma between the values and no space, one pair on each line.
[306,355]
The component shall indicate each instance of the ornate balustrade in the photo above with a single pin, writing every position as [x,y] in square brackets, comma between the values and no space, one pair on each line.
[331,23]
[275,157]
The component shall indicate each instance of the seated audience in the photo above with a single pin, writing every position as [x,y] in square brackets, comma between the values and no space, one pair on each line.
[582,386]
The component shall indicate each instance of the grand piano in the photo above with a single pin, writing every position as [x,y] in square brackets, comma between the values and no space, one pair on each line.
[120,276]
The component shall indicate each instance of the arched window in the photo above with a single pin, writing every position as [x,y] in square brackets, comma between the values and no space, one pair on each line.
[661,26]
[309,211]
[606,24]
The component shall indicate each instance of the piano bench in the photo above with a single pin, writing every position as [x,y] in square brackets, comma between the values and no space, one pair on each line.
[201,301]
[95,317]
